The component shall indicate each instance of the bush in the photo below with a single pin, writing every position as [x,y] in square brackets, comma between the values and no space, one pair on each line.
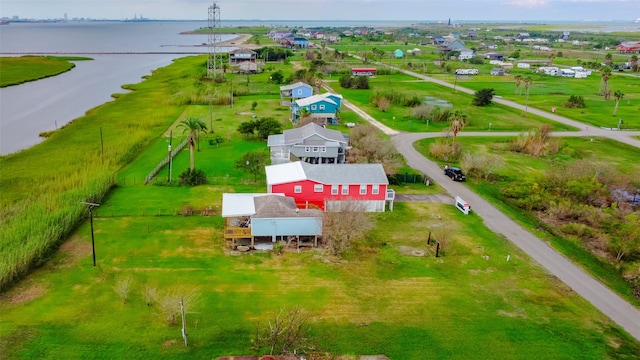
[476,61]
[422,112]
[483,97]
[443,150]
[440,115]
[192,178]
[481,166]
[346,81]
[575,102]
[382,103]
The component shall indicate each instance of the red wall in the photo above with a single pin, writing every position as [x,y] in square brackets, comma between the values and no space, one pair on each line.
[318,198]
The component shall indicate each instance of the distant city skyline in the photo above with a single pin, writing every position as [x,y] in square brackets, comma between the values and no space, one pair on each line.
[393,10]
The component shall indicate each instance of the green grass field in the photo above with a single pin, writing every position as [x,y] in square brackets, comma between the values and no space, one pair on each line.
[380,298]
[18,70]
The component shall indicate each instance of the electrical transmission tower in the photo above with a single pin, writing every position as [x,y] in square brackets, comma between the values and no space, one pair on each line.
[214,62]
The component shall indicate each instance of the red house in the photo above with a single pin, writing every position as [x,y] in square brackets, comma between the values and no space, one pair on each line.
[629,47]
[363,71]
[330,186]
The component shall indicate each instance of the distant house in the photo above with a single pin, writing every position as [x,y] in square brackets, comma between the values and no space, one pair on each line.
[497,72]
[290,93]
[494,56]
[438,40]
[472,34]
[523,35]
[300,42]
[629,47]
[363,71]
[565,35]
[492,46]
[267,218]
[330,187]
[311,143]
[322,108]
[465,54]
[238,56]
[398,54]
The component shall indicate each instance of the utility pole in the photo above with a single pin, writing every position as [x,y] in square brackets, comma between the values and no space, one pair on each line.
[93,243]
[184,324]
[170,157]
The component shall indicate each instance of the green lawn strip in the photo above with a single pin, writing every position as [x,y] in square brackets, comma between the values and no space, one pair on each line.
[501,118]
[517,165]
[18,70]
[461,305]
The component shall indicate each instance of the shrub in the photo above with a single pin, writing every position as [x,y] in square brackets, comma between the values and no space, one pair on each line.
[277,77]
[422,112]
[445,151]
[483,97]
[481,166]
[192,178]
[413,101]
[476,60]
[575,102]
[382,103]
[361,82]
[440,115]
[346,81]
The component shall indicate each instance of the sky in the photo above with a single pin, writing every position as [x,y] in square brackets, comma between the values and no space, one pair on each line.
[420,10]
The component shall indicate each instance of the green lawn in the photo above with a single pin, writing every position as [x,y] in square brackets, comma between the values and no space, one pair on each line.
[517,166]
[18,70]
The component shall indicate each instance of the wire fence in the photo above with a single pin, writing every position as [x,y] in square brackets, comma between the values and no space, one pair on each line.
[165,161]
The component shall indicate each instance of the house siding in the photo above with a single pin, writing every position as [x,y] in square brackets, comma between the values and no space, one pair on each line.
[309,197]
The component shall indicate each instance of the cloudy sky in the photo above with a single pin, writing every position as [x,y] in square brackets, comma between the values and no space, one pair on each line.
[425,10]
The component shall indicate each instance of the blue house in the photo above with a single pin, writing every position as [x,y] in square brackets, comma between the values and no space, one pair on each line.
[322,108]
[398,54]
[300,42]
[293,92]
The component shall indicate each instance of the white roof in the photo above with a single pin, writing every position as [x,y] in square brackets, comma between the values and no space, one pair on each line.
[284,173]
[314,99]
[240,204]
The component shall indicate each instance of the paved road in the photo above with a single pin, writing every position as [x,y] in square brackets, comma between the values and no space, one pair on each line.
[608,302]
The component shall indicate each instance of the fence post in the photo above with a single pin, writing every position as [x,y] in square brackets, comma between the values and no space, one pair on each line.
[437,248]
[429,238]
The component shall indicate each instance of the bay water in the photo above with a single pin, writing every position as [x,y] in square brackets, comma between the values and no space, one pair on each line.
[123,52]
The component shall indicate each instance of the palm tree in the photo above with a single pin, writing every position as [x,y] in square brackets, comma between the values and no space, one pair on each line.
[634,62]
[193,126]
[518,79]
[458,120]
[527,84]
[608,58]
[551,57]
[605,72]
[619,96]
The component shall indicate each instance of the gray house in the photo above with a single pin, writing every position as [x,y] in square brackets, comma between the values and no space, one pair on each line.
[311,143]
[267,218]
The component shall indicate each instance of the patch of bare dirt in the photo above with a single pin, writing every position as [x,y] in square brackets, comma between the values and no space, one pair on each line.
[70,252]
[24,293]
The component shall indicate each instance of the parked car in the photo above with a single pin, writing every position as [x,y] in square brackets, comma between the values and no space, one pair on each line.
[455,174]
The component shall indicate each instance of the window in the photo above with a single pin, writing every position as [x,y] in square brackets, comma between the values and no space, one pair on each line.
[318,188]
[313,107]
[345,189]
[363,189]
[315,149]
[299,91]
[375,189]
[307,148]
[324,149]
[321,107]
[297,189]
[334,189]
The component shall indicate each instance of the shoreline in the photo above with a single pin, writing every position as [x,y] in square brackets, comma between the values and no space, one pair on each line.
[239,40]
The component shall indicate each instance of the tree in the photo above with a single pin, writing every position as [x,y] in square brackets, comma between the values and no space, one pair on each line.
[247,128]
[527,85]
[483,97]
[344,224]
[625,239]
[169,302]
[518,80]
[608,59]
[634,63]
[551,57]
[193,126]
[253,162]
[123,286]
[304,115]
[605,73]
[268,126]
[458,121]
[287,332]
[277,77]
[619,96]
[368,147]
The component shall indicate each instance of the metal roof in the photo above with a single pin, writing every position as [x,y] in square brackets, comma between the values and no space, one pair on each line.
[326,173]
[314,99]
[281,207]
[297,135]
[295,86]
